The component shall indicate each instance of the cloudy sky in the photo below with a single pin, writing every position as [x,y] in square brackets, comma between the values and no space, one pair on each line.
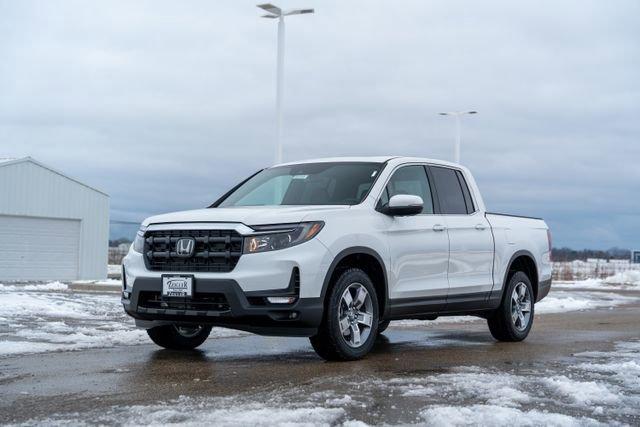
[164,105]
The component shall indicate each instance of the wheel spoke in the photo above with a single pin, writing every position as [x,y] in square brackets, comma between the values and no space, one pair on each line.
[355,334]
[361,295]
[514,316]
[344,325]
[525,307]
[521,318]
[365,319]
[347,298]
[521,291]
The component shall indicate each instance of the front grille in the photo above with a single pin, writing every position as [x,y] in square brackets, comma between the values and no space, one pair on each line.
[200,302]
[215,250]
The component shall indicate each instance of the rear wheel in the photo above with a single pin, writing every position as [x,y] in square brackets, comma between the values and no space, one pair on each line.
[512,321]
[350,323]
[178,337]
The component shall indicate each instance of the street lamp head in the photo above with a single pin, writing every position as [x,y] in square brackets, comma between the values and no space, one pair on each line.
[274,11]
[298,12]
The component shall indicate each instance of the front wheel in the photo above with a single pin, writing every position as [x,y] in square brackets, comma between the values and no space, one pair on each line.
[350,324]
[512,321]
[177,337]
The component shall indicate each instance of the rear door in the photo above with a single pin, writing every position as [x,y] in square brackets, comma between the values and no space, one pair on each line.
[418,244]
[470,269]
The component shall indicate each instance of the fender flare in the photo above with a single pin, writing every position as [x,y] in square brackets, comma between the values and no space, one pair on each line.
[518,254]
[351,251]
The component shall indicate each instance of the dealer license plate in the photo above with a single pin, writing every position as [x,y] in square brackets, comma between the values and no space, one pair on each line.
[177,286]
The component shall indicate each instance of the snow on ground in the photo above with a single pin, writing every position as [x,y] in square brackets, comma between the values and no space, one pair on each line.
[589,389]
[37,318]
[51,286]
[41,317]
[630,277]
[626,280]
[565,301]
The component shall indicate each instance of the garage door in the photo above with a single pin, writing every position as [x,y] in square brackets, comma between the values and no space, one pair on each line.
[38,248]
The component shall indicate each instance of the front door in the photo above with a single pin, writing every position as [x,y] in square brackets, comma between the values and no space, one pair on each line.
[418,244]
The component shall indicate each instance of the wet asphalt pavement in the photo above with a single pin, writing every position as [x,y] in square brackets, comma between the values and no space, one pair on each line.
[33,387]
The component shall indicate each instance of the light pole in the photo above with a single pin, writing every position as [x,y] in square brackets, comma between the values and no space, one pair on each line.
[457,115]
[274,12]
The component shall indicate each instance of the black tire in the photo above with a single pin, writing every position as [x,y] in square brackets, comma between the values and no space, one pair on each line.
[329,342]
[501,323]
[171,337]
[383,325]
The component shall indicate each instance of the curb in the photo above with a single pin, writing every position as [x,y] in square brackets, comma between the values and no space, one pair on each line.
[95,287]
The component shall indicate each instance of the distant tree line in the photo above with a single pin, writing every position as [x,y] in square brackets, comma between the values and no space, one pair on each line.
[567,254]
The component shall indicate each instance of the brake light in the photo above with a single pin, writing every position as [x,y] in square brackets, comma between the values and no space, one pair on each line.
[550,242]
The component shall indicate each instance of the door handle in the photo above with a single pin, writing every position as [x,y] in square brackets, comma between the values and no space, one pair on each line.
[480,227]
[439,227]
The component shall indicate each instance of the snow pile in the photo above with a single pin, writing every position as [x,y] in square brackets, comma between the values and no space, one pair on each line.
[622,280]
[582,392]
[210,413]
[630,277]
[255,410]
[463,385]
[51,286]
[562,301]
[49,317]
[492,415]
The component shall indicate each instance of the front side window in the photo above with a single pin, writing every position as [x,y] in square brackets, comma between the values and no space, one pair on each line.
[450,193]
[410,180]
[342,183]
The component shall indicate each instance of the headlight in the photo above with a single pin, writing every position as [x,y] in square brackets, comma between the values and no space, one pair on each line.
[138,243]
[274,237]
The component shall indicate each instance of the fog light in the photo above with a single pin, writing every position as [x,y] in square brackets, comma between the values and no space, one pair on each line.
[126,295]
[281,300]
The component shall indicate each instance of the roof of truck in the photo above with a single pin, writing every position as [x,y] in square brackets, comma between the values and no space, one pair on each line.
[372,159]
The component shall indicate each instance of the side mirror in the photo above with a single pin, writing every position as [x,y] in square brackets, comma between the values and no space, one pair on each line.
[403,204]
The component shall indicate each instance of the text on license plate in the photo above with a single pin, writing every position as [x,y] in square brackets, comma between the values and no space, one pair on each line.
[177,286]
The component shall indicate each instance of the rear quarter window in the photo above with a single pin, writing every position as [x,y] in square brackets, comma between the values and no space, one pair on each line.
[449,189]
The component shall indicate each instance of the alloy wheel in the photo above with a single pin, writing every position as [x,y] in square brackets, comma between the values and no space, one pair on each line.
[355,315]
[521,306]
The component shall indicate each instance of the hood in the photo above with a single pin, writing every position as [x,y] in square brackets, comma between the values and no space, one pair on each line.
[248,215]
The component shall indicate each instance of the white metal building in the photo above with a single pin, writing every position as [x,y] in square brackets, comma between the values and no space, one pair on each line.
[52,227]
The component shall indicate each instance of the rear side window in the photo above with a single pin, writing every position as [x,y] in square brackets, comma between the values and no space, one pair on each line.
[410,180]
[450,191]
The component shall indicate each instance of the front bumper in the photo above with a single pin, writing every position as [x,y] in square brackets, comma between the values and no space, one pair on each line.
[254,277]
[240,311]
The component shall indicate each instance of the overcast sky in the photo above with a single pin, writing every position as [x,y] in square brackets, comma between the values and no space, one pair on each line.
[165,105]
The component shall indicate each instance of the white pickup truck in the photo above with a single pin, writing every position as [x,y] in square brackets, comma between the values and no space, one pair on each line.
[334,249]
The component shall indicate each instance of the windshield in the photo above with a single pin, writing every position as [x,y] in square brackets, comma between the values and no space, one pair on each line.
[307,184]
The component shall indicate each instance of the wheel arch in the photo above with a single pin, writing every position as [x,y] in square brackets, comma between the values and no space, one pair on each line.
[522,261]
[370,262]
